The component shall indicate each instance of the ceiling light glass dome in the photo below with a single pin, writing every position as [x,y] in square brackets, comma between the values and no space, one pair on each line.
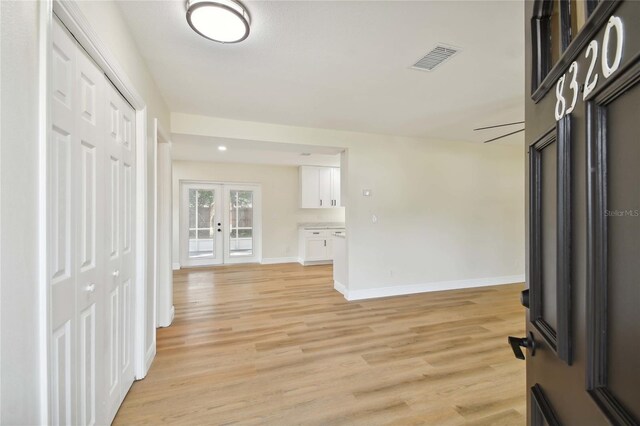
[224,21]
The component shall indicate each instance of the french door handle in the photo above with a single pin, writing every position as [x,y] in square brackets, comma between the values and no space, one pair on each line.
[522,342]
[90,288]
[116,273]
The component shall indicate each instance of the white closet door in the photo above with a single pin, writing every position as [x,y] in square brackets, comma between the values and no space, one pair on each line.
[120,186]
[61,262]
[127,266]
[90,256]
[89,247]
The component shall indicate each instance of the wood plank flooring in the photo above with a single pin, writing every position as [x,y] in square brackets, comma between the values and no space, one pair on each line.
[276,345]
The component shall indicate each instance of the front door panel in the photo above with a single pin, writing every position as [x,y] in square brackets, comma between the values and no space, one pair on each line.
[614,370]
[583,204]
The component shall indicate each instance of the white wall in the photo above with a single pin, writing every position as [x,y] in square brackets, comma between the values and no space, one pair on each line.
[164,298]
[449,213]
[19,310]
[280,202]
[446,211]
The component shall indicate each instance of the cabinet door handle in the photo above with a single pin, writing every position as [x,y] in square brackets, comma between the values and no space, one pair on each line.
[325,243]
[320,203]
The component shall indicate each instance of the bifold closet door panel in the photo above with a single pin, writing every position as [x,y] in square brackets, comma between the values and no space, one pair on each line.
[89,251]
[127,265]
[61,230]
[75,251]
[120,186]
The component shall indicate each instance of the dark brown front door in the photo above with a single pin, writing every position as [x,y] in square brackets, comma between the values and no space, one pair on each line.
[583,225]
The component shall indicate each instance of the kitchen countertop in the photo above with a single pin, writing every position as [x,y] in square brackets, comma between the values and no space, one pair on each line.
[324,225]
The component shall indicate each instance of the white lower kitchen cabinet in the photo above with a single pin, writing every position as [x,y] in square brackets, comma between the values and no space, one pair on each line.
[316,246]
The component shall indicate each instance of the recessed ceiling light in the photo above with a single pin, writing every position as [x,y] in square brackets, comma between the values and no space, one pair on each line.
[222,148]
[224,21]
[305,154]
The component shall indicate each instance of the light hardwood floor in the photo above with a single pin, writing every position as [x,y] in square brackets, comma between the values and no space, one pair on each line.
[276,345]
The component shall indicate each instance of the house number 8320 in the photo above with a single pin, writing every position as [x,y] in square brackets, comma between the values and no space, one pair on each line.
[591,79]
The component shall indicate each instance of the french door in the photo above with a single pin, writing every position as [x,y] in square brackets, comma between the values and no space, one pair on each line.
[201,224]
[219,223]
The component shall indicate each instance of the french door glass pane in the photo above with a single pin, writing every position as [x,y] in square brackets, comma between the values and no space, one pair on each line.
[240,223]
[202,211]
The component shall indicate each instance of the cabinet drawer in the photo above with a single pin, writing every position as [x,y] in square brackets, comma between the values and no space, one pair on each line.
[308,233]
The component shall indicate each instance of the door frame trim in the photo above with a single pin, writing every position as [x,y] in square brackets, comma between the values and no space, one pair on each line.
[72,17]
[163,246]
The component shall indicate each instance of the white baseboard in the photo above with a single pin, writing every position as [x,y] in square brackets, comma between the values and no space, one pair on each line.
[172,315]
[275,260]
[372,293]
[340,287]
[148,359]
[175,266]
[315,262]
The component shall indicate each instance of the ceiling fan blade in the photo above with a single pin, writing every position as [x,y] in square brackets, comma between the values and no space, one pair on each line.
[499,125]
[504,136]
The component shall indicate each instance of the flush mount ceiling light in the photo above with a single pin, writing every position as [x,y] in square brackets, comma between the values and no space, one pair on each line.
[224,21]
[222,148]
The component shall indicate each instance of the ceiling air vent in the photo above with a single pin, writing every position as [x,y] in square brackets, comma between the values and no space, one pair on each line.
[438,55]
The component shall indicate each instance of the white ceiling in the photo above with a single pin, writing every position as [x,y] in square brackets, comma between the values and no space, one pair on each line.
[345,65]
[202,148]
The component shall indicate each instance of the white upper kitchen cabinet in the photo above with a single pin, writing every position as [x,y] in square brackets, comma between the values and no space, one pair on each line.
[335,186]
[319,187]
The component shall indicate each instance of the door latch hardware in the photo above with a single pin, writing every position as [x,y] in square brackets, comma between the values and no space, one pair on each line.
[524,298]
[522,342]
